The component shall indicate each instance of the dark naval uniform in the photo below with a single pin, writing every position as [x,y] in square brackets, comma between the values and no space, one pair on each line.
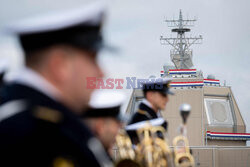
[143,113]
[36,130]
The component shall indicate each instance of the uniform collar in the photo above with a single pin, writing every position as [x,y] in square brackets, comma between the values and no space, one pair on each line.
[147,103]
[29,77]
[149,110]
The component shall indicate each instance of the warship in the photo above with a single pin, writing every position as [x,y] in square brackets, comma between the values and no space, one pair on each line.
[216,130]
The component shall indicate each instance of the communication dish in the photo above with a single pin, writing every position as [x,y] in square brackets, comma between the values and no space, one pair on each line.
[210,76]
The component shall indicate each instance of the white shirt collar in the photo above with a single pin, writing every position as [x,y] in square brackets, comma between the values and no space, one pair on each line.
[29,77]
[147,103]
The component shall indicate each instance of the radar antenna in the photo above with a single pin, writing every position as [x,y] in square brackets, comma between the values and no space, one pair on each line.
[181,54]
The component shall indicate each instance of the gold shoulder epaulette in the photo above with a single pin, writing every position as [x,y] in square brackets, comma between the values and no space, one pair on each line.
[47,114]
[62,162]
[142,112]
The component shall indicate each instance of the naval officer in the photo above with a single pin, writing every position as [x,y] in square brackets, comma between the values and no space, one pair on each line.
[155,99]
[104,117]
[40,110]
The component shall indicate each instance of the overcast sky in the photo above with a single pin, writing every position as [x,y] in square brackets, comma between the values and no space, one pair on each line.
[135,27]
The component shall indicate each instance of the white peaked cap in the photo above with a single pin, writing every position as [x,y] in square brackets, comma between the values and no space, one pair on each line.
[106,99]
[91,14]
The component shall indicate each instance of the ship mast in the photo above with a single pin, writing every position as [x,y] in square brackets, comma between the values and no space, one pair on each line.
[181,54]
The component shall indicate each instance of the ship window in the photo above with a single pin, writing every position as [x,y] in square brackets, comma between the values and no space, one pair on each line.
[218,112]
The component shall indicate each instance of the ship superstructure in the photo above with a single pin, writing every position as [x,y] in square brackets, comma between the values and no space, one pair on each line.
[216,129]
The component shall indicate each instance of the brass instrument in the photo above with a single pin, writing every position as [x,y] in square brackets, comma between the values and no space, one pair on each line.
[153,150]
[126,154]
[162,151]
[183,157]
[144,149]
